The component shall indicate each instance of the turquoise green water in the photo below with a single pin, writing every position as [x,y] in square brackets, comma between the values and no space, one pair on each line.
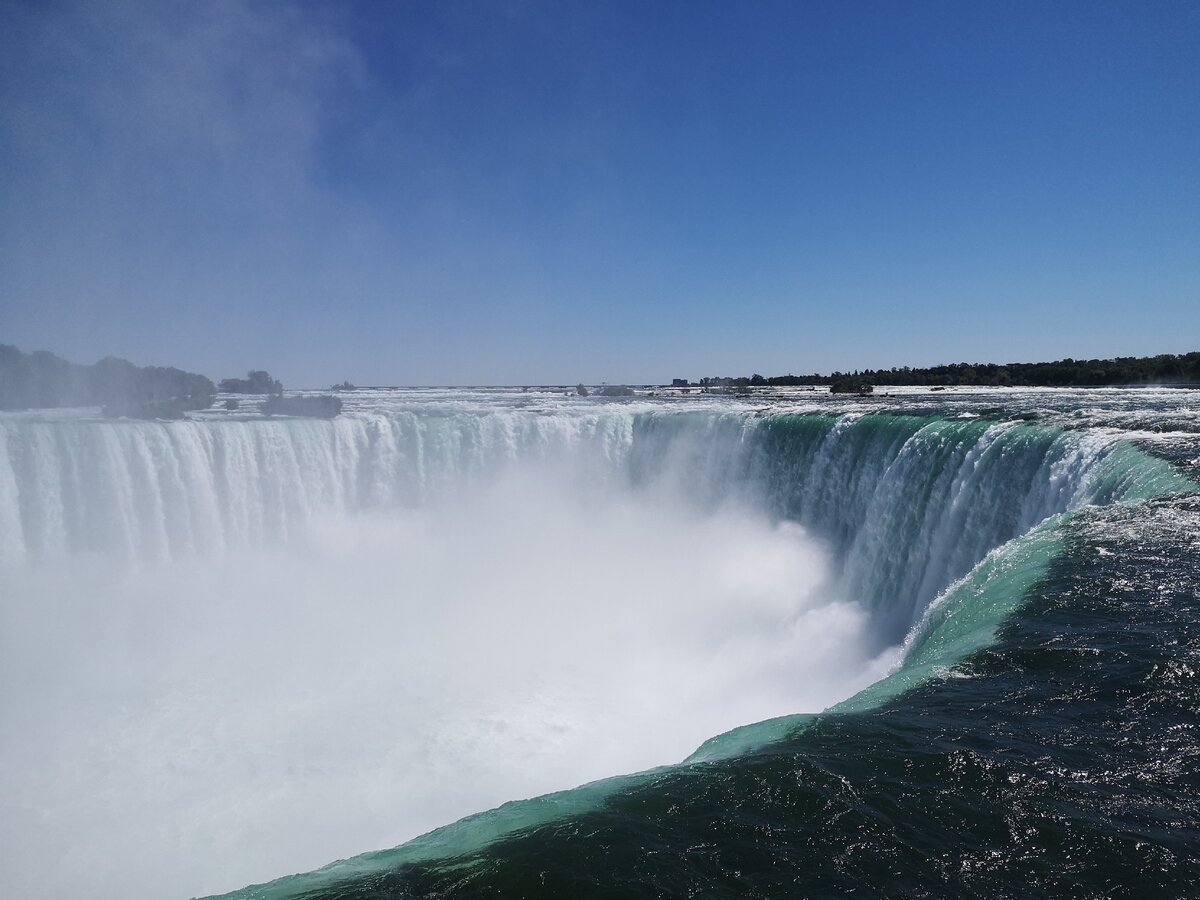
[944,527]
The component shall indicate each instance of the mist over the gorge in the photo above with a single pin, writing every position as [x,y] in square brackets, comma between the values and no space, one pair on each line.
[567,449]
[237,647]
[193,721]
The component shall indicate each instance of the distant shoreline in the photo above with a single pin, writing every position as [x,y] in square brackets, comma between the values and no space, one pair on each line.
[43,380]
[1164,370]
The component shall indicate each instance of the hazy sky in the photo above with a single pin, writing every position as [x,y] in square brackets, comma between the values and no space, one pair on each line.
[509,192]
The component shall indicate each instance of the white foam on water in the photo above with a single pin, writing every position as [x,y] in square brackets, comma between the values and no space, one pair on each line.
[231,650]
[191,725]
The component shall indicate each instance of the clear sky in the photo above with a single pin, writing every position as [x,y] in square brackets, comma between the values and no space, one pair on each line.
[511,192]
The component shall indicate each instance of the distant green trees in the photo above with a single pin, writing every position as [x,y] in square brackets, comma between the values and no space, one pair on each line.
[41,379]
[1166,368]
[756,380]
[255,382]
[851,385]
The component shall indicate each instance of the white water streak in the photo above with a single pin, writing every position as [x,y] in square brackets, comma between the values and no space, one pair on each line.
[234,649]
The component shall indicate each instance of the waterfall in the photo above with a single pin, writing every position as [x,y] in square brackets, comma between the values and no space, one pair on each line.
[907,503]
[315,636]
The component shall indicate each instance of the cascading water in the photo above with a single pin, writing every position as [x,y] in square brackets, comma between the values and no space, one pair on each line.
[385,621]
[898,497]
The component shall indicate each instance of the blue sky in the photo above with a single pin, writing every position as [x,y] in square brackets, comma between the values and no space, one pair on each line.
[509,192]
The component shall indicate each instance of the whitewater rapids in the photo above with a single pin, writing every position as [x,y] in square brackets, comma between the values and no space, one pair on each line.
[237,649]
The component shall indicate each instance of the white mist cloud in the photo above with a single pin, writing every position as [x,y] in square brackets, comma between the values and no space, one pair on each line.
[198,725]
[161,182]
[217,105]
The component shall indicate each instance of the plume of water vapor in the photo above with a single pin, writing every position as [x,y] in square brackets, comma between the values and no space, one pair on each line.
[195,724]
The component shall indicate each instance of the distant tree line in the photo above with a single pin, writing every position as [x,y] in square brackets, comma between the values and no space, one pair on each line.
[255,382]
[1167,368]
[41,379]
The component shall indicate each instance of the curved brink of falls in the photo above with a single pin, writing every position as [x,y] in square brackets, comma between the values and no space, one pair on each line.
[939,526]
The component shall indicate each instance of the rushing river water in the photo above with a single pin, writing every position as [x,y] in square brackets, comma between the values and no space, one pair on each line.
[939,642]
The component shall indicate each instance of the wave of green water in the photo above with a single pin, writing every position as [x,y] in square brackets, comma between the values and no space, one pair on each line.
[963,617]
